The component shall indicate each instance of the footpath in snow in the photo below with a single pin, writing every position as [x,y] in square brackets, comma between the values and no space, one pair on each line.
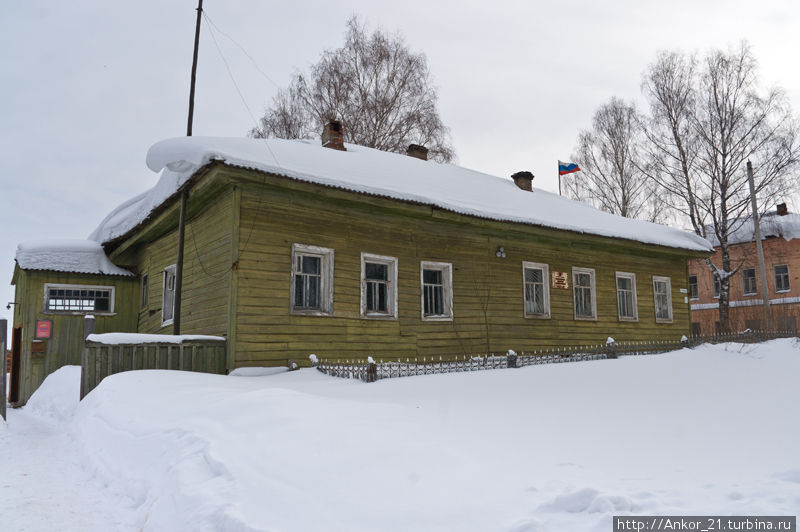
[711,430]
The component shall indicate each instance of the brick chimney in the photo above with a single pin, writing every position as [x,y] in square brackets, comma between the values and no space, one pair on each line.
[782,209]
[332,136]
[415,150]
[523,180]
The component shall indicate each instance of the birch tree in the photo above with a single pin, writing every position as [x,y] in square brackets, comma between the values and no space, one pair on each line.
[375,85]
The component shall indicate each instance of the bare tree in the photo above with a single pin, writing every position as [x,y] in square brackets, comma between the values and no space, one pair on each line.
[379,89]
[609,156]
[706,123]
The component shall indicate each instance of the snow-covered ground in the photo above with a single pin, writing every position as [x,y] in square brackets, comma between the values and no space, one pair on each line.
[713,430]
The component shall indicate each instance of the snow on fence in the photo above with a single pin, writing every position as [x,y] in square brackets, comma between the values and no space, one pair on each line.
[371,371]
[106,354]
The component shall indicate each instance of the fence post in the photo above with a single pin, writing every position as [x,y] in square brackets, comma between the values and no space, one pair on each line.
[3,391]
[511,359]
[611,348]
[88,328]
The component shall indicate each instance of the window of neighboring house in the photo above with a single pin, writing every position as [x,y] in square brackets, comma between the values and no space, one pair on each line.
[662,294]
[436,279]
[782,278]
[626,296]
[312,280]
[584,293]
[378,286]
[717,285]
[536,289]
[78,298]
[749,282]
[168,296]
[144,291]
[693,292]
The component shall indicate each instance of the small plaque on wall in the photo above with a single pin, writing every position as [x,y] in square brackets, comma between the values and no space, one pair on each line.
[561,280]
[44,329]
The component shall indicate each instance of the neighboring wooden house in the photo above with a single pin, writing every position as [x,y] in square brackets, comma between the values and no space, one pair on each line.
[780,233]
[295,248]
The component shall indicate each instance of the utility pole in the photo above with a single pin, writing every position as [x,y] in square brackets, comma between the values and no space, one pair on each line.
[176,319]
[759,249]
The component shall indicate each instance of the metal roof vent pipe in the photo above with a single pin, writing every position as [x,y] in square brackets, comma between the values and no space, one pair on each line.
[333,136]
[417,151]
[523,180]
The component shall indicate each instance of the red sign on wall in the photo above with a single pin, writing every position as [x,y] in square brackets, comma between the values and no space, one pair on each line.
[44,328]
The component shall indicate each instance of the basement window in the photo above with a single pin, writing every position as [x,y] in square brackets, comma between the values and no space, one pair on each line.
[662,295]
[78,298]
[749,282]
[436,281]
[584,293]
[312,280]
[168,296]
[536,289]
[626,296]
[378,286]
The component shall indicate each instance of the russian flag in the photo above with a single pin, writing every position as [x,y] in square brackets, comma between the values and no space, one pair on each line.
[567,168]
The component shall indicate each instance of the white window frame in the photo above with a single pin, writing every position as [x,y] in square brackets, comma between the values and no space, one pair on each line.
[447,290]
[788,279]
[744,282]
[326,279]
[593,287]
[391,292]
[696,286]
[668,281]
[546,285]
[169,269]
[632,277]
[57,286]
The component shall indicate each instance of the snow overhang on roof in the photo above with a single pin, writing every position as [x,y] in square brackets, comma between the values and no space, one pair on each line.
[71,256]
[390,175]
[772,225]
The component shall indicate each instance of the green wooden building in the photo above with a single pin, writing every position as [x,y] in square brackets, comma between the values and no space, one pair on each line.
[300,247]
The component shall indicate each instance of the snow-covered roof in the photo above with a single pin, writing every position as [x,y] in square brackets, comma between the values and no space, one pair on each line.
[74,256]
[391,175]
[772,225]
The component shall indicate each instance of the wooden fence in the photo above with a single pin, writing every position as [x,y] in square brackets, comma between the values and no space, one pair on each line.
[100,360]
[371,371]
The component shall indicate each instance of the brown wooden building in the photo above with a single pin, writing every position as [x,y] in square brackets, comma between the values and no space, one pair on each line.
[294,248]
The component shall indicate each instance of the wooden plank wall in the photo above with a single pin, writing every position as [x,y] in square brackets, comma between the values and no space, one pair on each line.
[101,360]
[275,218]
[64,348]
[207,266]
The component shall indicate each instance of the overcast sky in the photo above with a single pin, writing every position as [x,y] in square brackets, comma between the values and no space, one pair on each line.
[87,86]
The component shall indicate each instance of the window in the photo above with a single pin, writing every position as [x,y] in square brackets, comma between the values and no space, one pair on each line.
[626,296]
[144,293]
[378,286]
[312,280]
[436,279]
[536,289]
[693,292]
[168,296]
[749,282]
[78,298]
[662,293]
[782,278]
[716,286]
[583,291]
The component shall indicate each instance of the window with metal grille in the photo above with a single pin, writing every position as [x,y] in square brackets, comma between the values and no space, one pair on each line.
[78,298]
[583,291]
[437,294]
[693,291]
[536,289]
[626,296]
[782,278]
[662,287]
[378,286]
[312,280]
[749,282]
[168,296]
